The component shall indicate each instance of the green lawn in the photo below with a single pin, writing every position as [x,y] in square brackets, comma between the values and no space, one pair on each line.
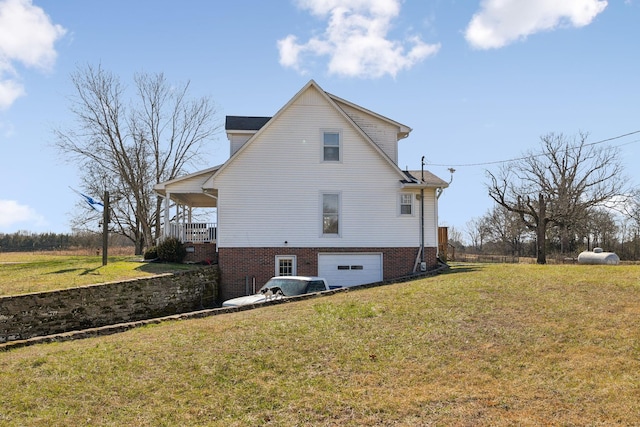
[485,345]
[36,272]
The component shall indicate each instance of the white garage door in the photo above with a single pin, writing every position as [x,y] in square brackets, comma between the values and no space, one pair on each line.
[347,269]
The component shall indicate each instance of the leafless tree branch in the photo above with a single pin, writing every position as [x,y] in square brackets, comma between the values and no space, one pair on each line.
[128,147]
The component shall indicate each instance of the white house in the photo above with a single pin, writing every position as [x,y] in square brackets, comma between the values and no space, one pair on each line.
[314,190]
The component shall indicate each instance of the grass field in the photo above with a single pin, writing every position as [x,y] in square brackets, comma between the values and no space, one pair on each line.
[25,272]
[484,345]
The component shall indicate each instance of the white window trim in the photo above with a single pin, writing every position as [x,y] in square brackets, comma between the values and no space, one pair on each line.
[340,145]
[400,204]
[294,264]
[321,215]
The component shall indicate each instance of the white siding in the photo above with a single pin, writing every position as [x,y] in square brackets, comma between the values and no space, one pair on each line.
[384,134]
[237,140]
[270,192]
[430,218]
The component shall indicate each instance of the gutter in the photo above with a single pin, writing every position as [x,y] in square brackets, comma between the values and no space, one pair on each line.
[422,217]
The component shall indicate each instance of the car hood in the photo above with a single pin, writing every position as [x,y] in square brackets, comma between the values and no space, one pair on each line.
[249,299]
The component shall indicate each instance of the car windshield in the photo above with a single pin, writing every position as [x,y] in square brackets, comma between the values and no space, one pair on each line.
[290,287]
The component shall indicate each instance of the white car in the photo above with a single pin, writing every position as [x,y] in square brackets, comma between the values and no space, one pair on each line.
[281,286]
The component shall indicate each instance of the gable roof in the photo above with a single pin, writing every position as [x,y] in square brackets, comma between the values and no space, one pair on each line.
[245,122]
[162,185]
[188,189]
[404,130]
[333,101]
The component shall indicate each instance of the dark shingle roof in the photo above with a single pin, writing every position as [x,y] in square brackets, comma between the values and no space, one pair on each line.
[245,123]
[429,178]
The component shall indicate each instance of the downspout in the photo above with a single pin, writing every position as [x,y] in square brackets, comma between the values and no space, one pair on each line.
[439,192]
[422,215]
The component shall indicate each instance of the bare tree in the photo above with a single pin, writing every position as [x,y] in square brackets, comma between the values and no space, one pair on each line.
[477,231]
[505,228]
[128,147]
[455,236]
[631,207]
[629,224]
[558,184]
[602,228]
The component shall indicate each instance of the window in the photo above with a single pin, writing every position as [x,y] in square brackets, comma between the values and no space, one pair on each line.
[331,146]
[316,286]
[331,214]
[285,265]
[406,204]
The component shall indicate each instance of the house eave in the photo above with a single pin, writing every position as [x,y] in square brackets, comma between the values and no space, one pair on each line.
[403,130]
[419,185]
[422,179]
[193,195]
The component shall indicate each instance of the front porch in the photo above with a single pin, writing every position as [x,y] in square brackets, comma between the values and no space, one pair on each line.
[190,214]
[199,239]
[194,232]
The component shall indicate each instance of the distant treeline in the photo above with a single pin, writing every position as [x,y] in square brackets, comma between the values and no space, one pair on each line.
[23,241]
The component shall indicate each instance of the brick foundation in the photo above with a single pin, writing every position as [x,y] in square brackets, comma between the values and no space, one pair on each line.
[201,253]
[241,268]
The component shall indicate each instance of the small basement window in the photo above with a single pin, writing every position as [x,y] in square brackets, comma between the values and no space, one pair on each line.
[285,265]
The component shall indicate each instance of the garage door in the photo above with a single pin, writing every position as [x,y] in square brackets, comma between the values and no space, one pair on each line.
[350,269]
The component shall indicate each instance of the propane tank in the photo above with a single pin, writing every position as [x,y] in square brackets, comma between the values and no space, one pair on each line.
[598,256]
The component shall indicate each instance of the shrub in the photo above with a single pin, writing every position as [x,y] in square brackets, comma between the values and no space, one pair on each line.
[151,253]
[172,250]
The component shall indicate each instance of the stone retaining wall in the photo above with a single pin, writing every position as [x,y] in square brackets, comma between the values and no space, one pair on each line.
[45,313]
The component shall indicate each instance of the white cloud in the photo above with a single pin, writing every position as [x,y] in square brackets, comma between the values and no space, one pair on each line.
[27,36]
[500,22]
[10,90]
[6,130]
[355,40]
[13,213]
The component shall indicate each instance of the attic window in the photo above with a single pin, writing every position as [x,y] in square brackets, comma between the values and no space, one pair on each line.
[331,146]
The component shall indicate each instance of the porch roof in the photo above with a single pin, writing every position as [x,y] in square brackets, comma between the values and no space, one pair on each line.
[414,179]
[188,190]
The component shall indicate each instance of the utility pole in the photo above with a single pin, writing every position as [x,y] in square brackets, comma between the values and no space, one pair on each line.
[105,227]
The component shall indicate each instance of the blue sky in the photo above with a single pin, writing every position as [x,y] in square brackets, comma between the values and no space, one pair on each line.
[477,81]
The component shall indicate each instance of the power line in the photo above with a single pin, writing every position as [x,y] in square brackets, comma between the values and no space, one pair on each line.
[495,162]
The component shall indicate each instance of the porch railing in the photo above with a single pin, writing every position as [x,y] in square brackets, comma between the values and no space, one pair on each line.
[194,232]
